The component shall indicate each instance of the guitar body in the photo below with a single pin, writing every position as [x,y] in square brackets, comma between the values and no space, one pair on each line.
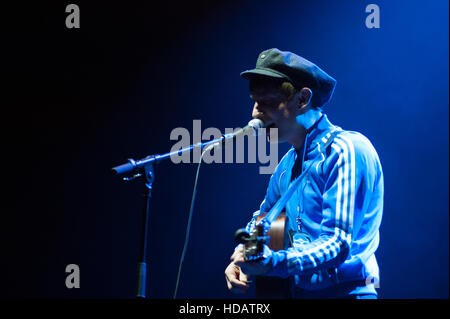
[273,287]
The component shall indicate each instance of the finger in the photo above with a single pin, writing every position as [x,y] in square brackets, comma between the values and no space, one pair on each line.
[238,250]
[233,280]
[229,285]
[234,284]
[237,284]
[233,277]
[239,260]
[232,274]
[238,254]
[243,277]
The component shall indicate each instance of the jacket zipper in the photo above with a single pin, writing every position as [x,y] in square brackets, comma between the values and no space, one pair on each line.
[299,219]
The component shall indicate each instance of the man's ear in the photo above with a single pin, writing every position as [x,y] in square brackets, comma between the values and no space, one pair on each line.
[304,98]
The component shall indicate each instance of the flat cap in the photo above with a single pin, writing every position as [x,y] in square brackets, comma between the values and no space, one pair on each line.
[297,70]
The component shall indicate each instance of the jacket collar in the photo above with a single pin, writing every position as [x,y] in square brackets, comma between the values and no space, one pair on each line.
[318,125]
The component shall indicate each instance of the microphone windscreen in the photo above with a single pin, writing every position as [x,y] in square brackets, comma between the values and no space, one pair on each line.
[256,124]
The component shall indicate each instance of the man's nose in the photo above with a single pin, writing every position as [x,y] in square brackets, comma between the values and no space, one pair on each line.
[258,107]
[256,111]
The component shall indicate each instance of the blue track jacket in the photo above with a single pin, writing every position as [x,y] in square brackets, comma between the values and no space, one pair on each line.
[340,205]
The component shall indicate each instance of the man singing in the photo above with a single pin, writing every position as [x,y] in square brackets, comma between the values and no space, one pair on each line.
[333,216]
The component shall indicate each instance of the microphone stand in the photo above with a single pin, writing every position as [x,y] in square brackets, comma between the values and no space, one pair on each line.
[145,168]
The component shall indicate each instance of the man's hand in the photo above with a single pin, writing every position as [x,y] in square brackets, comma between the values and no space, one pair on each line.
[237,281]
[257,267]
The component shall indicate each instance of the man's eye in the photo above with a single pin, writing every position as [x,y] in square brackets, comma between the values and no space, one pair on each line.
[266,103]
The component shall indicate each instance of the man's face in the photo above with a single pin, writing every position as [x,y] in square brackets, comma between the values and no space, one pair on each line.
[272,107]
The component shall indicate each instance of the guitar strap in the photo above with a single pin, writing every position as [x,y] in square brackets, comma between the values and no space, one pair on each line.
[281,203]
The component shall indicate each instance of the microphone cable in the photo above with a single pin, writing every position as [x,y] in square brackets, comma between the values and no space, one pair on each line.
[188,227]
[254,124]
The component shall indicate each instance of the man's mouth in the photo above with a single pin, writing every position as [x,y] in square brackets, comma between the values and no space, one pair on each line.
[268,124]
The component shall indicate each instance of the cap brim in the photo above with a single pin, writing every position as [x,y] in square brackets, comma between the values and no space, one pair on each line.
[264,72]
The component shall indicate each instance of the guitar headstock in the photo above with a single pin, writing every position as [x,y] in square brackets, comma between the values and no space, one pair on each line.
[253,242]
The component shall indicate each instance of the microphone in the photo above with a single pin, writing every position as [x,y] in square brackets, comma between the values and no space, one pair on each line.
[250,129]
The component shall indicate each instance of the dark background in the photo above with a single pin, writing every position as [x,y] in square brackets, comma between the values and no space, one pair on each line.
[80,101]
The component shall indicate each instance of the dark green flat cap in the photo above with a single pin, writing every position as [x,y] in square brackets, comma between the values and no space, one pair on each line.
[297,70]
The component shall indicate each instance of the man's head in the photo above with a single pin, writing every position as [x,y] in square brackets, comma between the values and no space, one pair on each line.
[284,86]
[278,103]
